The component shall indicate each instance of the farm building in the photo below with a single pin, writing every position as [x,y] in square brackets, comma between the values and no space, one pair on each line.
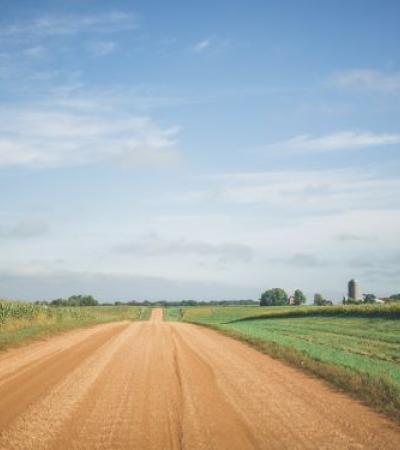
[354,291]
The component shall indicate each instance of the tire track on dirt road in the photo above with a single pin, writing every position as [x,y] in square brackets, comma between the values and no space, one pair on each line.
[163,385]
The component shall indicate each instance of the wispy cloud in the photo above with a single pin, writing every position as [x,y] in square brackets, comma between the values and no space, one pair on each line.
[298,260]
[201,46]
[25,43]
[342,140]
[140,98]
[100,48]
[35,52]
[23,230]
[59,25]
[302,192]
[304,260]
[353,237]
[54,135]
[153,245]
[370,80]
[384,265]
[211,44]
[49,284]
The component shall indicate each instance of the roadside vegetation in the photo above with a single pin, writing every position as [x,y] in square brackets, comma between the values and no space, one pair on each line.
[21,322]
[355,347]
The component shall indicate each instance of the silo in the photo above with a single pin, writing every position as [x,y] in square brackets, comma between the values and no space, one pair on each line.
[354,291]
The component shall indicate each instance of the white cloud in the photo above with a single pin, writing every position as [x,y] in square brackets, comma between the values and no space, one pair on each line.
[304,260]
[22,230]
[54,136]
[298,193]
[69,25]
[354,237]
[36,52]
[371,80]
[342,140]
[116,286]
[152,245]
[141,98]
[211,44]
[100,48]
[202,45]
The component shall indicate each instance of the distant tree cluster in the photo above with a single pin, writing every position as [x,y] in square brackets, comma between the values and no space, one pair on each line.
[271,297]
[88,300]
[164,303]
[274,297]
[74,300]
[320,300]
[279,297]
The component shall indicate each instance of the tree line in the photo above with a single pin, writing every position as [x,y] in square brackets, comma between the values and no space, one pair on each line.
[89,300]
[73,300]
[165,303]
[279,297]
[271,297]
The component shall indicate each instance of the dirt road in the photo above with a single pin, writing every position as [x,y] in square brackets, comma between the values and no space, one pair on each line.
[158,385]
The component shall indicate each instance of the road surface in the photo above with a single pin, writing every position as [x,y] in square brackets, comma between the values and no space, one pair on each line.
[159,385]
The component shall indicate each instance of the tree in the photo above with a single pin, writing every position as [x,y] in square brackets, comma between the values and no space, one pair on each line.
[369,298]
[76,300]
[319,299]
[274,297]
[299,297]
[59,302]
[82,300]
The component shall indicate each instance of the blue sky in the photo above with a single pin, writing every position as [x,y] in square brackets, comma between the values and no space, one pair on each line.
[198,149]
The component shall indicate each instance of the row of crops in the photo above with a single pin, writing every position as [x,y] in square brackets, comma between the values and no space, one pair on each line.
[228,314]
[15,312]
[382,310]
[10,311]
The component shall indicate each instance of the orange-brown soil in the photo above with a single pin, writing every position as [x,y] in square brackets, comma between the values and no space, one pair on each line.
[160,385]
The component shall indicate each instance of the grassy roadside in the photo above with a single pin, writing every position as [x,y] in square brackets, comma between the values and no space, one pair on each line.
[21,323]
[359,354]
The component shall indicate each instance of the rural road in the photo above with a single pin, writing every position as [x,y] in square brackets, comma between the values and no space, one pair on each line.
[160,385]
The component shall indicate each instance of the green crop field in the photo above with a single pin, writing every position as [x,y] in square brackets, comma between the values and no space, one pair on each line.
[20,321]
[356,347]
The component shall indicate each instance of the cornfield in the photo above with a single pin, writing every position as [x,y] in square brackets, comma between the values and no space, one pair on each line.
[226,314]
[12,312]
